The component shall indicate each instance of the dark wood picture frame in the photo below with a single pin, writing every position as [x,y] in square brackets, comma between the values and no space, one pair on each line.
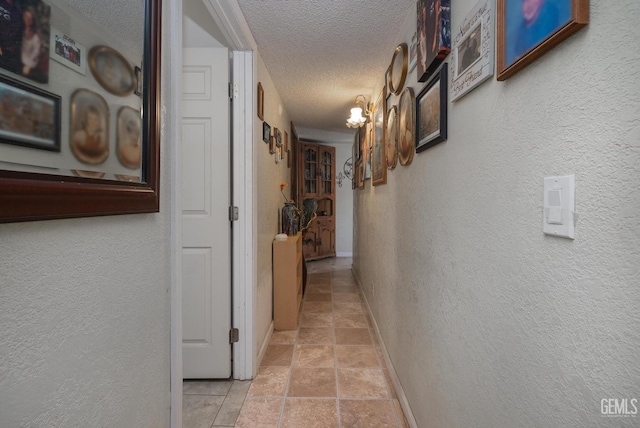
[564,19]
[266,132]
[26,196]
[260,101]
[32,96]
[434,35]
[431,112]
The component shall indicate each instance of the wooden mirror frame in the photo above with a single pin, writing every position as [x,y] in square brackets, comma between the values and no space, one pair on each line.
[26,196]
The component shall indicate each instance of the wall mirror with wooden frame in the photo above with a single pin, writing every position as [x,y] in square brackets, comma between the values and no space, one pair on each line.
[79,108]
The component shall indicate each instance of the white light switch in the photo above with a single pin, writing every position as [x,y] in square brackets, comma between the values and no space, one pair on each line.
[559,206]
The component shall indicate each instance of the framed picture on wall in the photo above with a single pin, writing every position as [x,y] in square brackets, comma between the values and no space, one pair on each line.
[527,29]
[378,160]
[112,71]
[260,101]
[431,112]
[89,127]
[68,52]
[391,137]
[266,132]
[406,127]
[434,35]
[29,116]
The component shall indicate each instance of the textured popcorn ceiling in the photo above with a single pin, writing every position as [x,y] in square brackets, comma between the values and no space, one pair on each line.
[322,53]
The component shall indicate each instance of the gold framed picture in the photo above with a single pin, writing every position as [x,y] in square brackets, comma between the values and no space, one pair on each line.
[112,71]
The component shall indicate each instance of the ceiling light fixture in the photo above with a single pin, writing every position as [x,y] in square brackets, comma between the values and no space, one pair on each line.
[356,120]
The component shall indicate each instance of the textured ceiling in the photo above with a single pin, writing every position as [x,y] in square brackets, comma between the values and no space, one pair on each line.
[322,53]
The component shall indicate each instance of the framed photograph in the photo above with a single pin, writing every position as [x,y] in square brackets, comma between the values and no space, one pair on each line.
[25,38]
[29,116]
[360,142]
[50,190]
[89,127]
[413,52]
[139,81]
[278,154]
[272,144]
[472,58]
[391,137]
[278,136]
[366,155]
[434,35]
[358,175]
[68,52]
[527,29]
[260,101]
[129,137]
[378,160]
[112,71]
[406,126]
[266,132]
[398,69]
[431,111]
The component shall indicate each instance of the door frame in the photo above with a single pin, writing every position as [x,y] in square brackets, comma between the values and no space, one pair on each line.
[242,46]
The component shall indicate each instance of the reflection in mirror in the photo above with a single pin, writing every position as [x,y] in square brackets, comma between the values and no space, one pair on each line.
[69,98]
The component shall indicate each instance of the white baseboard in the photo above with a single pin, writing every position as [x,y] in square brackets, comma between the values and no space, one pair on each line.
[263,347]
[344,254]
[402,398]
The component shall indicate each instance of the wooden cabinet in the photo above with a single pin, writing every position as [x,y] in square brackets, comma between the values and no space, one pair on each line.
[317,179]
[287,282]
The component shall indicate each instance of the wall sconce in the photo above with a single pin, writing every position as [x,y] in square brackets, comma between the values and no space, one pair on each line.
[356,120]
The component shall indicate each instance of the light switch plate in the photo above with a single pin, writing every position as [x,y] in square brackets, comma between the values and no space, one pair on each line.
[559,206]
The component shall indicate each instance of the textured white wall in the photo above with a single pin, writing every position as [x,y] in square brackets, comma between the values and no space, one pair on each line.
[85,314]
[488,322]
[269,199]
[344,202]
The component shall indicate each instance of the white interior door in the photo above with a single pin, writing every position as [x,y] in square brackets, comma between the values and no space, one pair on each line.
[206,230]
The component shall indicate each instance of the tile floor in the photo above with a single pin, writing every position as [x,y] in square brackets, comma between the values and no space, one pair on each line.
[330,372]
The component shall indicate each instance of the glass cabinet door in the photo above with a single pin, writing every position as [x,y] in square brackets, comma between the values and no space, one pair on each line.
[327,169]
[310,170]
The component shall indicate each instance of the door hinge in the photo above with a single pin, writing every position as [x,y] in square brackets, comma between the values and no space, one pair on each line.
[233,214]
[234,335]
[233,90]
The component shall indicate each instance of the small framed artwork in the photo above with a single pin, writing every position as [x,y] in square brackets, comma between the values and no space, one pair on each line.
[472,58]
[29,116]
[288,158]
[378,161]
[25,39]
[266,132]
[434,35]
[112,71]
[431,111]
[406,126]
[527,29]
[278,136]
[398,69]
[391,138]
[139,82]
[129,141]
[278,154]
[260,101]
[89,127]
[366,157]
[68,52]
[286,141]
[358,175]
[272,144]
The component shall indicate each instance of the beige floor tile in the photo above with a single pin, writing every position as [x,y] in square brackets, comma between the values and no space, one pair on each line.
[353,336]
[317,297]
[323,288]
[310,413]
[343,282]
[349,320]
[346,297]
[258,412]
[199,411]
[270,382]
[232,403]
[278,355]
[283,337]
[400,414]
[316,320]
[315,336]
[344,289]
[348,308]
[317,307]
[367,414]
[356,356]
[314,356]
[215,387]
[361,383]
[312,382]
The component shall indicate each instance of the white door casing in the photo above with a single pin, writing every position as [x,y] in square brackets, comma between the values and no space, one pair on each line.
[206,232]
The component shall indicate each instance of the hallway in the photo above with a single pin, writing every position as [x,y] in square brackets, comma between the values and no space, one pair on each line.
[331,371]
